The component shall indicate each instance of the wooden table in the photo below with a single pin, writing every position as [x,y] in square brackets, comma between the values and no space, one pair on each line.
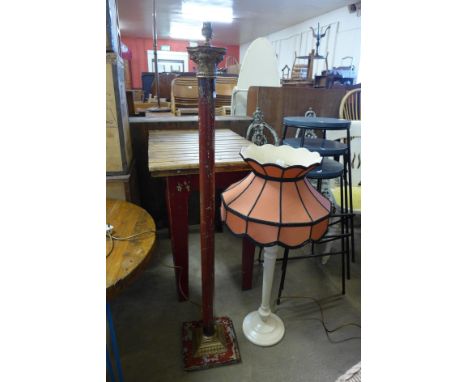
[174,156]
[127,257]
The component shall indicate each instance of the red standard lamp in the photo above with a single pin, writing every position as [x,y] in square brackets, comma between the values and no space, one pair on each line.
[212,341]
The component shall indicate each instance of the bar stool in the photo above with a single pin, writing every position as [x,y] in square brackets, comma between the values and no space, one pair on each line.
[329,169]
[326,148]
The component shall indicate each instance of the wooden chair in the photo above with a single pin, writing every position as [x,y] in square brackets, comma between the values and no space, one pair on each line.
[301,71]
[184,93]
[350,109]
[224,89]
[350,106]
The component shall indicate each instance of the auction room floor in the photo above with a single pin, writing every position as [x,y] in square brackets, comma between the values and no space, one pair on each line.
[148,318]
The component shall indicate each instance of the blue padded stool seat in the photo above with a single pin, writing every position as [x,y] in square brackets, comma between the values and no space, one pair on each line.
[323,123]
[329,169]
[324,147]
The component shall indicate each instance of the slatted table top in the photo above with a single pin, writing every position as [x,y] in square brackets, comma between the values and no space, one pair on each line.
[175,152]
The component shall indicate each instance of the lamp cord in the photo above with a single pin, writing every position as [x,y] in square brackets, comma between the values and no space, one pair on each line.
[131,237]
[322,321]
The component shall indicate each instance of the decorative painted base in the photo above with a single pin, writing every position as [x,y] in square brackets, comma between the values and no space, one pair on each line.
[208,345]
[266,332]
[200,352]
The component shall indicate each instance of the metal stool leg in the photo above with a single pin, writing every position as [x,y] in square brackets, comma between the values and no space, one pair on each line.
[260,254]
[319,185]
[343,252]
[283,274]
[347,217]
[353,257]
[114,346]
[285,130]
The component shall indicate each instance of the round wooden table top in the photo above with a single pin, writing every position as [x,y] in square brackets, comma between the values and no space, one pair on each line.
[127,256]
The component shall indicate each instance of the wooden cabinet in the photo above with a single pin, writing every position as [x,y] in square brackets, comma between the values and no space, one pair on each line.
[118,145]
[123,187]
[279,102]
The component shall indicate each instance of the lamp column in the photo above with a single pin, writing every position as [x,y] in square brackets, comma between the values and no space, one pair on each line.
[262,327]
[211,338]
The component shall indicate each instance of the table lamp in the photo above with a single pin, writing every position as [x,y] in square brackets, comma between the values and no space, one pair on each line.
[274,206]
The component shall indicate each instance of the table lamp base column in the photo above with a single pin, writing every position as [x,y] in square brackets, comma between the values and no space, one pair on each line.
[263,327]
[263,333]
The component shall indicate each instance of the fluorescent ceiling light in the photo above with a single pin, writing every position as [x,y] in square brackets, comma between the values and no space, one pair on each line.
[207,11]
[183,31]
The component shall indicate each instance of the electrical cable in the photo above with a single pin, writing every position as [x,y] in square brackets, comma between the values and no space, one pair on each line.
[180,286]
[112,244]
[131,237]
[322,321]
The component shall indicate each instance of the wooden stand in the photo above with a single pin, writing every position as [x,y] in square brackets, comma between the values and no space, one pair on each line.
[207,197]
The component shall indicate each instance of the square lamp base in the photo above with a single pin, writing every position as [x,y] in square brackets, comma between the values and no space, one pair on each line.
[202,352]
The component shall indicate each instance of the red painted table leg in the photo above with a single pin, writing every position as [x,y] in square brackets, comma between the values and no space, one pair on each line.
[177,195]
[248,253]
[223,181]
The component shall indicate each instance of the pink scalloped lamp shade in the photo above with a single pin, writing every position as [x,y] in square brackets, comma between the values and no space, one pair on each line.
[275,205]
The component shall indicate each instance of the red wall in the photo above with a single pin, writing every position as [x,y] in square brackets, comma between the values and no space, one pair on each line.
[139,47]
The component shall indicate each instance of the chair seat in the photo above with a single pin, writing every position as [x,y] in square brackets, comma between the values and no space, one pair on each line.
[329,169]
[323,123]
[324,147]
[356,197]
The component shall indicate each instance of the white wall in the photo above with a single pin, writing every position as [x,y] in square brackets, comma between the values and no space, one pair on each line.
[343,39]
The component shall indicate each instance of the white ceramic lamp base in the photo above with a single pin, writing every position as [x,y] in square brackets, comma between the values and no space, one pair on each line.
[262,327]
[263,333]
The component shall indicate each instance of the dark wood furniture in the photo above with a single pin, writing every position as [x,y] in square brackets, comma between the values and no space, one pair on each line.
[277,102]
[174,156]
[123,187]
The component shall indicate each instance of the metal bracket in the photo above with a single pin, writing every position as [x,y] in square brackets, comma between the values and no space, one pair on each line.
[256,129]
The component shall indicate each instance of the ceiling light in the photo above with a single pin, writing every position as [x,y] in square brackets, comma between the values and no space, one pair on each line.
[183,31]
[207,11]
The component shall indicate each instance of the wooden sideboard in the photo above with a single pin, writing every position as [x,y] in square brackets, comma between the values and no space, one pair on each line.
[278,102]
